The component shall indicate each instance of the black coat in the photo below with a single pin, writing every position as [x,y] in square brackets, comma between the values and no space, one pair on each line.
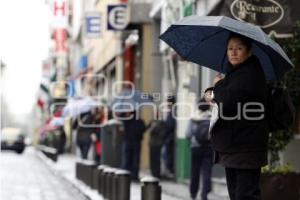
[170,128]
[243,84]
[86,125]
[133,130]
[157,132]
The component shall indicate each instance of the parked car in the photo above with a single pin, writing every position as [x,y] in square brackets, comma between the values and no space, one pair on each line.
[12,139]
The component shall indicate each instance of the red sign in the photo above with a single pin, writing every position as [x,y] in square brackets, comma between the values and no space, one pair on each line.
[60,8]
[60,36]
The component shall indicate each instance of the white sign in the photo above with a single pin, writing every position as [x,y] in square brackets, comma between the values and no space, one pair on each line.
[60,10]
[93,24]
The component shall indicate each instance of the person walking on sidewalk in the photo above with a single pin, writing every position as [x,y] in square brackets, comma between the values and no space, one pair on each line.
[157,131]
[96,138]
[86,127]
[169,138]
[239,138]
[131,146]
[201,151]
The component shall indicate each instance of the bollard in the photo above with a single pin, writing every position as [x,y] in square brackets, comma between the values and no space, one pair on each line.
[78,169]
[100,173]
[123,185]
[114,186]
[95,180]
[88,167]
[109,174]
[83,172]
[101,178]
[105,187]
[151,190]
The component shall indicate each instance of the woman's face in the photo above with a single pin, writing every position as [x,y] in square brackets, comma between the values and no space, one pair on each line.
[237,52]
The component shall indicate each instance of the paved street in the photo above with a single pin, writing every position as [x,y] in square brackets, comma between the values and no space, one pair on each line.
[30,177]
[26,177]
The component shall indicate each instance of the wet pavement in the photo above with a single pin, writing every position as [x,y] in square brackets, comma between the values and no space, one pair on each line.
[26,177]
[31,176]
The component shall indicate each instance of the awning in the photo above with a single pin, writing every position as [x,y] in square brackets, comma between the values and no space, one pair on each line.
[156,9]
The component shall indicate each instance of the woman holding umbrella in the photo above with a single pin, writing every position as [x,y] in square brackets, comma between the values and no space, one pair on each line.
[248,57]
[239,138]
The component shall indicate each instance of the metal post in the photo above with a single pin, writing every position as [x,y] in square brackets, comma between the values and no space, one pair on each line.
[95,180]
[123,185]
[100,181]
[106,182]
[78,170]
[84,172]
[88,167]
[103,180]
[114,185]
[151,190]
[109,173]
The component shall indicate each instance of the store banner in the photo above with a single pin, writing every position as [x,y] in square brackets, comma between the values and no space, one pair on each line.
[273,16]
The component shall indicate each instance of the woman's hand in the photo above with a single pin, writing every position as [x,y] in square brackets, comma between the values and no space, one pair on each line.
[93,137]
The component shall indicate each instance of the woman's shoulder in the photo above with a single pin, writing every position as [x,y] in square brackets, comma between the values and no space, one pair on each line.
[252,63]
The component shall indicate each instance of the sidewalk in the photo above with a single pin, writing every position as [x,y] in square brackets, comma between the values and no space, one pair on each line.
[65,167]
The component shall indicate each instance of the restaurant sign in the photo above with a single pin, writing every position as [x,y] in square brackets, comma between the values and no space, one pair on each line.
[273,16]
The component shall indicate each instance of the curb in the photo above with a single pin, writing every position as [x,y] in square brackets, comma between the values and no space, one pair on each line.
[51,165]
[90,194]
[218,192]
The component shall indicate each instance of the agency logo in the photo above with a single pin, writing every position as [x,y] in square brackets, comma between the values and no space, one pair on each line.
[263,13]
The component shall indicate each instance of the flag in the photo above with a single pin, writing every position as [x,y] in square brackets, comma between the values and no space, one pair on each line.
[40,103]
[44,88]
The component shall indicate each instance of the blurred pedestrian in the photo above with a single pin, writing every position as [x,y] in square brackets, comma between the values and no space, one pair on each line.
[131,145]
[86,127]
[157,131]
[201,150]
[169,138]
[240,139]
[61,140]
[96,137]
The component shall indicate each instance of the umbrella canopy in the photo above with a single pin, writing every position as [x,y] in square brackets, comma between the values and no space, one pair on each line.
[57,121]
[47,128]
[129,100]
[203,40]
[76,107]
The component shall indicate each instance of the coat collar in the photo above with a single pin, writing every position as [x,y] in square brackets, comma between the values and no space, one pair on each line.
[251,60]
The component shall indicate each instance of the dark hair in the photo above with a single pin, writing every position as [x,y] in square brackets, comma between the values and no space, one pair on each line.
[245,40]
[209,89]
[171,99]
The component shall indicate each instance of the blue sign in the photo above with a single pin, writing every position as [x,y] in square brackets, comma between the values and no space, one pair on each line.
[83,62]
[117,17]
[71,89]
[93,24]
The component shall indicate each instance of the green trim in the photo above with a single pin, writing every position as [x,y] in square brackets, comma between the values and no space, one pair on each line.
[183,159]
[44,88]
[188,7]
